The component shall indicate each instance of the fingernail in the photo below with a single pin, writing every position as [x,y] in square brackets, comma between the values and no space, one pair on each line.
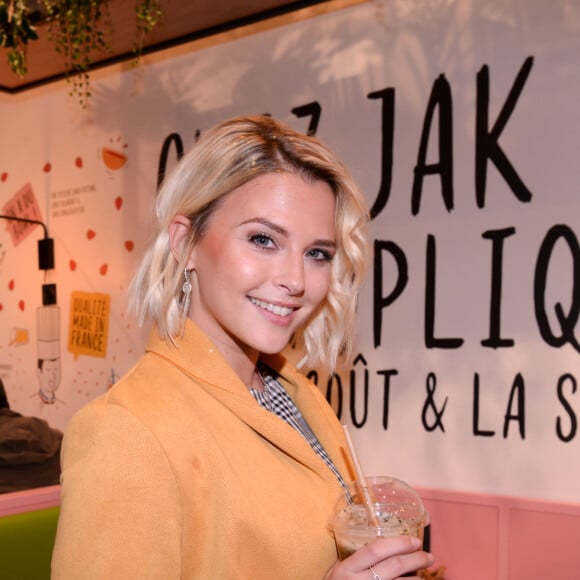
[416,542]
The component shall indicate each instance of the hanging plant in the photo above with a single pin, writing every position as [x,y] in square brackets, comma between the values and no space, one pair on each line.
[79,29]
[16,30]
[148,12]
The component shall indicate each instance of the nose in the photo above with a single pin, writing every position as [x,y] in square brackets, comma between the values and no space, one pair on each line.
[289,275]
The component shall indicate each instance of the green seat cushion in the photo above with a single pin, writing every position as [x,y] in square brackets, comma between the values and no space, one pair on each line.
[26,543]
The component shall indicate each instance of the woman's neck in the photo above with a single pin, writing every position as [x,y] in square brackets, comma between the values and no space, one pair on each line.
[244,362]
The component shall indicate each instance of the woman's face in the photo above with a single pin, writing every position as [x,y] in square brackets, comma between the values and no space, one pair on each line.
[263,264]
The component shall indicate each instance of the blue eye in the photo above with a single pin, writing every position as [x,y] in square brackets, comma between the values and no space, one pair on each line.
[320,255]
[261,240]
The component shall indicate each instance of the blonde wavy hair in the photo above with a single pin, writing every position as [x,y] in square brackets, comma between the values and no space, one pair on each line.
[223,159]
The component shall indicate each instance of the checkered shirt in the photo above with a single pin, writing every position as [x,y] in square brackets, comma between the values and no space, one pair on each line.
[275,399]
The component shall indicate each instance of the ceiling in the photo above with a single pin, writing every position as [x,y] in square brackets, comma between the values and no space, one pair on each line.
[183,21]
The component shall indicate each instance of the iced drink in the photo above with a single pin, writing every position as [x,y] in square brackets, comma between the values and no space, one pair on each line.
[397,510]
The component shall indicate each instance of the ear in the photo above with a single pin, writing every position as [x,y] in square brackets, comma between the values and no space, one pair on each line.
[178,230]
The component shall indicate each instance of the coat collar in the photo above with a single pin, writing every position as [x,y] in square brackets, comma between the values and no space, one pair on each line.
[197,356]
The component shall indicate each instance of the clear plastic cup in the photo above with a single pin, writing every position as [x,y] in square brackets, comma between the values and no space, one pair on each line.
[397,506]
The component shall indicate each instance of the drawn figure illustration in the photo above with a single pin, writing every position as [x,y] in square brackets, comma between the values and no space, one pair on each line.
[48,371]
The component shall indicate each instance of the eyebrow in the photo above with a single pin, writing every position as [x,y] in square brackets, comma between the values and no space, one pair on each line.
[284,232]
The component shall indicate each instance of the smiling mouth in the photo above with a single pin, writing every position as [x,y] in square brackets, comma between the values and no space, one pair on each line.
[273,308]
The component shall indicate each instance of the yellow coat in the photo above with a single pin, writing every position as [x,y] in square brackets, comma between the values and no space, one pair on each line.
[178,473]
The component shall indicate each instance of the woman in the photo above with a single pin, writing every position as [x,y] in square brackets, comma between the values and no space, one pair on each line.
[214,457]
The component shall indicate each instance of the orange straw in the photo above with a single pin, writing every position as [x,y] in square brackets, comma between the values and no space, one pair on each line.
[362,479]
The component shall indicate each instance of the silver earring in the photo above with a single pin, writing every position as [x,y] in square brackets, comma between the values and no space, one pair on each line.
[186,288]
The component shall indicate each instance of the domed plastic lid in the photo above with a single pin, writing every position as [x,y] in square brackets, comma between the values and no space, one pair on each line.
[395,509]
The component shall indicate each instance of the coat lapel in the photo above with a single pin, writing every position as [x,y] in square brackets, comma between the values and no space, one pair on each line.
[198,357]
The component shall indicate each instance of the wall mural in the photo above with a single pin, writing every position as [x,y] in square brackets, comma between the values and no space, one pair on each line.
[458,120]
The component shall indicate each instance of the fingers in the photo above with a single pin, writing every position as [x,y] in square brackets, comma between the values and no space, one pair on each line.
[393,557]
[389,557]
[397,566]
[383,548]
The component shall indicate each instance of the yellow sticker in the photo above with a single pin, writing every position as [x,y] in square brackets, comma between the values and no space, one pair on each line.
[89,324]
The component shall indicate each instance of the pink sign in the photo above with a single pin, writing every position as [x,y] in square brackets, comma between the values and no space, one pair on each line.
[23,204]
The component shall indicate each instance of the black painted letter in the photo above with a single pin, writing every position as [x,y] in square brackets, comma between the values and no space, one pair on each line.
[497,237]
[441,96]
[486,142]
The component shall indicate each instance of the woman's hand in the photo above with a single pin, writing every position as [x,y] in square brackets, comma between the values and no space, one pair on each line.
[389,558]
